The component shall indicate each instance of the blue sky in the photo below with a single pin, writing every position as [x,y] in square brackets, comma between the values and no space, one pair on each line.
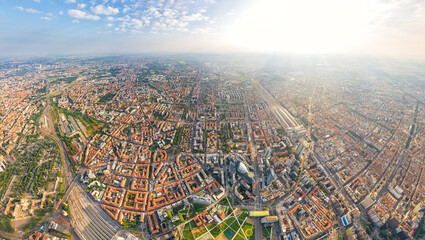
[61,27]
[75,26]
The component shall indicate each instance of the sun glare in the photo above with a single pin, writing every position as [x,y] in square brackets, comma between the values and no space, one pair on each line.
[303,26]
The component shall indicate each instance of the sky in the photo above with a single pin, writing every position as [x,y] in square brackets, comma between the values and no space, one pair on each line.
[394,28]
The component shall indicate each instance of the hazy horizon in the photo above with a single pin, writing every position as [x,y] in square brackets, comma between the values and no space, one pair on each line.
[378,28]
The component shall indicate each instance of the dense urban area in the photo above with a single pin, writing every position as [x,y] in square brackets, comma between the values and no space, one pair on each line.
[211,147]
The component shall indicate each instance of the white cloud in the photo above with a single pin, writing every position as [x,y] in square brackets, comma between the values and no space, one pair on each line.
[70,1]
[82,15]
[126,18]
[169,13]
[159,15]
[30,10]
[121,29]
[154,12]
[127,24]
[146,19]
[75,21]
[158,25]
[126,9]
[105,10]
[60,12]
[37,1]
[160,3]
[136,31]
[194,17]
[48,17]
[136,23]
[178,18]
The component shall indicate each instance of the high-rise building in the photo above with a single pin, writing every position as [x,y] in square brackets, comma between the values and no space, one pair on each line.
[300,149]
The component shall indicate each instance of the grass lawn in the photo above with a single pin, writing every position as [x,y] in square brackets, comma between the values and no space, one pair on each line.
[222,226]
[229,233]
[248,229]
[179,208]
[192,224]
[239,236]
[230,220]
[198,208]
[243,216]
[235,226]
[202,230]
[188,235]
[6,224]
[215,231]
[197,234]
[266,232]
[211,226]
[190,213]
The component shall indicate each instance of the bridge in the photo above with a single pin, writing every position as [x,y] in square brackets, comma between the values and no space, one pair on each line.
[68,191]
